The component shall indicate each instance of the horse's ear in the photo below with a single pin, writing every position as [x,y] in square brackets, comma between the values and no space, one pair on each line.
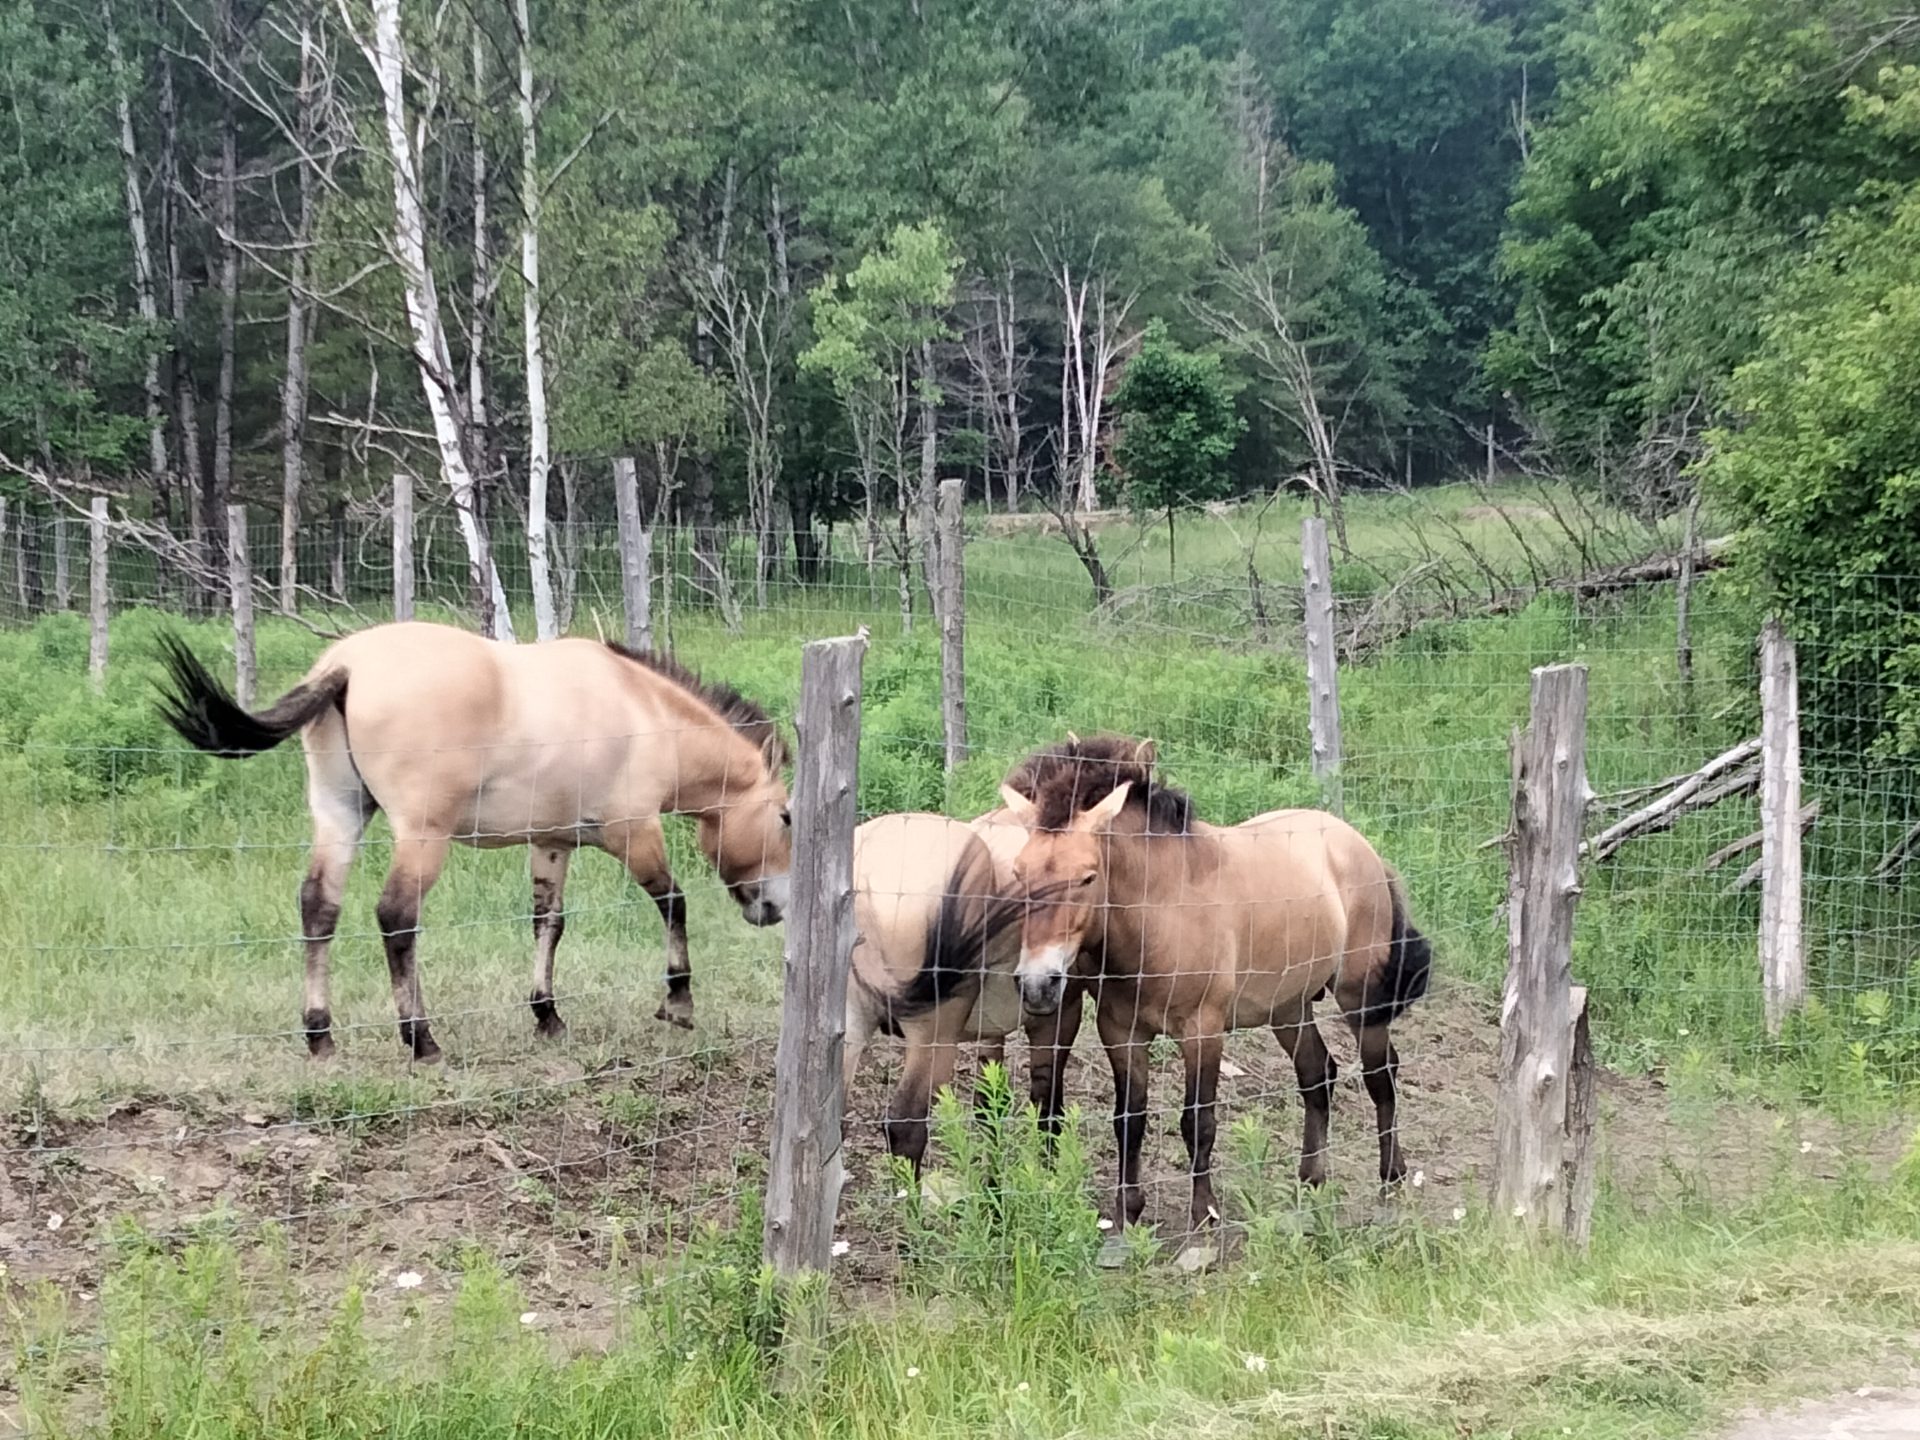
[1024,810]
[1146,752]
[1098,817]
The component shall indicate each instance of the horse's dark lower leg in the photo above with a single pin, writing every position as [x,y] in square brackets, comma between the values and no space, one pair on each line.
[549,924]
[398,914]
[1380,1064]
[1128,1056]
[1049,1049]
[340,807]
[1314,1067]
[1198,1121]
[677,1009]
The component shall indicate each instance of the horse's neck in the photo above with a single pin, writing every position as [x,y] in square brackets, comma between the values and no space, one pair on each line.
[710,765]
[1145,871]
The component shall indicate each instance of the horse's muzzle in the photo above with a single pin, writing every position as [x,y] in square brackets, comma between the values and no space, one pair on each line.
[764,902]
[1041,994]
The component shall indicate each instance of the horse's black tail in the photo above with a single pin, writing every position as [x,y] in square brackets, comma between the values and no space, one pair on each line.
[208,718]
[972,914]
[1403,977]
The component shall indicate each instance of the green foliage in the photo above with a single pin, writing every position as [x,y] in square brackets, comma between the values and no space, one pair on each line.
[1177,426]
[1008,1212]
[868,325]
[1824,471]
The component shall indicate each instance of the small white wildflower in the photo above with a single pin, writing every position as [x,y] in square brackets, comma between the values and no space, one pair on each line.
[1252,1277]
[407,1280]
[900,1194]
[54,1222]
[913,1372]
[1683,1035]
[528,1317]
[1105,1224]
[840,1247]
[1520,1212]
[1419,1178]
[1459,1212]
[1256,1363]
[1806,1147]
[1022,1388]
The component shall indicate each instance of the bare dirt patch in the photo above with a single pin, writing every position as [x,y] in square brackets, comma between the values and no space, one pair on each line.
[606,1170]
[1866,1414]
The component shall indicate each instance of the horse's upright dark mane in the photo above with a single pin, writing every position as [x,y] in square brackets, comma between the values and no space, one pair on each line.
[1064,779]
[729,704]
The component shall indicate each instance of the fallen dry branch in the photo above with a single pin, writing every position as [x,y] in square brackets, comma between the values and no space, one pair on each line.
[1896,859]
[1750,876]
[1373,631]
[1696,792]
[1808,814]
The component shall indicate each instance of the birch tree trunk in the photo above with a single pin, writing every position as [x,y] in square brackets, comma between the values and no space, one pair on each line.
[293,384]
[386,55]
[186,398]
[924,494]
[226,217]
[481,294]
[145,289]
[545,619]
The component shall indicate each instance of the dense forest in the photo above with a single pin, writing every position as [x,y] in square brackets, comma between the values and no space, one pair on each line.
[801,258]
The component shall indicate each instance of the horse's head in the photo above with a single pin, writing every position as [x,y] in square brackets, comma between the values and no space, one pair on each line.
[1061,875]
[749,839]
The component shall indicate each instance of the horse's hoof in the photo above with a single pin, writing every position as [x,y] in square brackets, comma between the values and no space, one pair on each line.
[682,1018]
[320,1047]
[426,1052]
[554,1029]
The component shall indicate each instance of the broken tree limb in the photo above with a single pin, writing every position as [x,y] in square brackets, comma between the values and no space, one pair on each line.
[1695,792]
[1750,876]
[1808,814]
[1895,859]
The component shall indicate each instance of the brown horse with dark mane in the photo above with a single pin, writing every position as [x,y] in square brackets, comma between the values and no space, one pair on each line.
[559,745]
[1192,930]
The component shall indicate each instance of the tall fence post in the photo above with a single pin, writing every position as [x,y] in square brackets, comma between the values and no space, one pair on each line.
[953,622]
[97,594]
[3,551]
[636,555]
[805,1172]
[1783,963]
[62,565]
[240,591]
[1323,666]
[402,545]
[1537,1021]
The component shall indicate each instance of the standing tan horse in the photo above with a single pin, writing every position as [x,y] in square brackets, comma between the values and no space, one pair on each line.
[1195,930]
[936,942]
[554,746]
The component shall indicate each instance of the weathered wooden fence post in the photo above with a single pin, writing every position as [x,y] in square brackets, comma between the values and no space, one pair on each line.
[3,548]
[1537,1020]
[1783,964]
[636,555]
[1323,665]
[805,1173]
[952,605]
[62,565]
[240,590]
[402,545]
[97,593]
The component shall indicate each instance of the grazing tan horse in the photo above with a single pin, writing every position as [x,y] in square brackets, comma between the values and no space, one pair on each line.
[1193,930]
[937,940]
[553,746]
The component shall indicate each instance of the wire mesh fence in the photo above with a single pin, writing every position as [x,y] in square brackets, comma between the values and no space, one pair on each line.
[154,1057]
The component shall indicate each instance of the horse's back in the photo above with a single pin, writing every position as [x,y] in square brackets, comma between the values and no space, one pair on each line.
[900,869]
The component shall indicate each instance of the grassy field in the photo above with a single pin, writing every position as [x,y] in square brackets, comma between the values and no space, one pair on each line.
[1754,1226]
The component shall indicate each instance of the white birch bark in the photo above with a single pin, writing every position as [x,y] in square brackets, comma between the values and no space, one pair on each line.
[145,290]
[545,619]
[386,55]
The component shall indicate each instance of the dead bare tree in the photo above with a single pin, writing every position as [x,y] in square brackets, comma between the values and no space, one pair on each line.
[997,365]
[384,49]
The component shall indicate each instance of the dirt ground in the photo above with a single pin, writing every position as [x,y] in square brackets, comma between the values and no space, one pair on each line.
[1869,1414]
[569,1181]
